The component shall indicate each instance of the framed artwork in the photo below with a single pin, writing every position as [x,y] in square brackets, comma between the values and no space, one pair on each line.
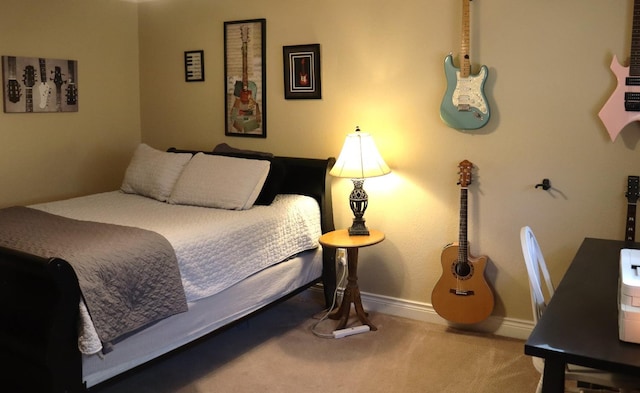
[33,84]
[194,66]
[302,72]
[245,78]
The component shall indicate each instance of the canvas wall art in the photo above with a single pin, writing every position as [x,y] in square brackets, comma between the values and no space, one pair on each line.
[33,84]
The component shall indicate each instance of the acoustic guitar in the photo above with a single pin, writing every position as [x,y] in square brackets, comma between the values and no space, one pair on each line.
[623,106]
[464,106]
[462,294]
[632,195]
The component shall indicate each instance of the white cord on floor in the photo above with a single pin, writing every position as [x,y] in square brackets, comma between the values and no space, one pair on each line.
[333,303]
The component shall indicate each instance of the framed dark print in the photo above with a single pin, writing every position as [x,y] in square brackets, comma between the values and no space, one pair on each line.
[245,78]
[302,71]
[194,66]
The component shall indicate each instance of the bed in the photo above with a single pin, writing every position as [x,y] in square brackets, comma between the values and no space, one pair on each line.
[52,338]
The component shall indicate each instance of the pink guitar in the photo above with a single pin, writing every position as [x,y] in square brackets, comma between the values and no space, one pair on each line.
[623,107]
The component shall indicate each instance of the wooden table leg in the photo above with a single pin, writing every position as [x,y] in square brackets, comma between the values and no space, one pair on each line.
[351,295]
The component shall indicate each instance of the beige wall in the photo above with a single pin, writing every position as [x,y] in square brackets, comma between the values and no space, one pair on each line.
[382,70]
[56,155]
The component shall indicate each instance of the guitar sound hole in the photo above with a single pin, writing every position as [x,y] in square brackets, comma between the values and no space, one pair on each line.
[462,270]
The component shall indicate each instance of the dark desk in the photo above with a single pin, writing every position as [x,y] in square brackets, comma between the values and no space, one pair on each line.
[580,324]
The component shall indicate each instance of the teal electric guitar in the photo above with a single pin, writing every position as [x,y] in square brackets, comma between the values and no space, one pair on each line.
[464,106]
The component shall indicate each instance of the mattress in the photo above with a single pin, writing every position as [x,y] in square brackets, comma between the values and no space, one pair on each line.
[215,248]
[205,316]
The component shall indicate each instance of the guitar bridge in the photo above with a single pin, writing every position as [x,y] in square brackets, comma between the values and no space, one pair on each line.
[632,102]
[459,292]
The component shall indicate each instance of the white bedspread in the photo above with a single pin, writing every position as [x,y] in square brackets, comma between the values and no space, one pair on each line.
[215,248]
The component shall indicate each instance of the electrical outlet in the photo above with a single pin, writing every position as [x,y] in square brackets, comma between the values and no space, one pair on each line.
[341,256]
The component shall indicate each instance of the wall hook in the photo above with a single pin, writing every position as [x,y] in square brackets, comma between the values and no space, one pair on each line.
[546,184]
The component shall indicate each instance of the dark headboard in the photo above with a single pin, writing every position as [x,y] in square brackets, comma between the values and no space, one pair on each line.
[308,176]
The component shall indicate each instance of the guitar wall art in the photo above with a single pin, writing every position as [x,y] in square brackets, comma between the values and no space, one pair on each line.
[33,84]
[245,78]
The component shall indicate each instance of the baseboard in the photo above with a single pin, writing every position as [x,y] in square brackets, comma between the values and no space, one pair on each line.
[506,327]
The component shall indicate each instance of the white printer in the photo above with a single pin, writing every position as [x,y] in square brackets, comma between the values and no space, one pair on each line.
[629,296]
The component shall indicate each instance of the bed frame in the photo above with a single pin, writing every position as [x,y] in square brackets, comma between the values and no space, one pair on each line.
[39,299]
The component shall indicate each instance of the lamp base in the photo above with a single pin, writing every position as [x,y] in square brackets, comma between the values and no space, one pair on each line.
[358,200]
[358,228]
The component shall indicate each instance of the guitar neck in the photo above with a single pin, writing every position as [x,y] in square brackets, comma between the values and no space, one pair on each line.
[71,91]
[28,99]
[632,194]
[630,231]
[58,99]
[57,80]
[43,70]
[11,63]
[634,60]
[71,66]
[462,241]
[465,65]
[245,76]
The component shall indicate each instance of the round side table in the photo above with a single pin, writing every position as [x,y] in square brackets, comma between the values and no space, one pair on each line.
[341,239]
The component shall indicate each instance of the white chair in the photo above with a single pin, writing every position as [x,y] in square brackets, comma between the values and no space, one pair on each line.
[538,273]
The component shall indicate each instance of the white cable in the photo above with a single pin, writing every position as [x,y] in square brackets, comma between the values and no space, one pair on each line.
[333,303]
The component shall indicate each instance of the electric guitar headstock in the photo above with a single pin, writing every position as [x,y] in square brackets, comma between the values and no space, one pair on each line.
[465,173]
[57,77]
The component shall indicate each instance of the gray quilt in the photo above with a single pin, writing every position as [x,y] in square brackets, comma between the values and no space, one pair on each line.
[129,277]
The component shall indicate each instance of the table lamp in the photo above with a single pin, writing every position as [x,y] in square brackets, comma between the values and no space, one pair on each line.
[358,160]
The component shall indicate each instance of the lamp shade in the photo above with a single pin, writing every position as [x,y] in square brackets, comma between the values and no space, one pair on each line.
[359,158]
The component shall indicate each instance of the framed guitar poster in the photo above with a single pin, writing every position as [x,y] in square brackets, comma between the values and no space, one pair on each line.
[302,72]
[245,78]
[33,84]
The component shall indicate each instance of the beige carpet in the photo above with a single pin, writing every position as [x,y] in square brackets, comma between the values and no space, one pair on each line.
[276,351]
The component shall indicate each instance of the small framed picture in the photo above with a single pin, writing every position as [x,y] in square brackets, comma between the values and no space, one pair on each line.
[194,66]
[245,78]
[302,72]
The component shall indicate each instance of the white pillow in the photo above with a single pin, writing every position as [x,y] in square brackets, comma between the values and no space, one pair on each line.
[153,173]
[219,181]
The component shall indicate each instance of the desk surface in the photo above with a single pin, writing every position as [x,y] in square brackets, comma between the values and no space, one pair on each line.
[580,324]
